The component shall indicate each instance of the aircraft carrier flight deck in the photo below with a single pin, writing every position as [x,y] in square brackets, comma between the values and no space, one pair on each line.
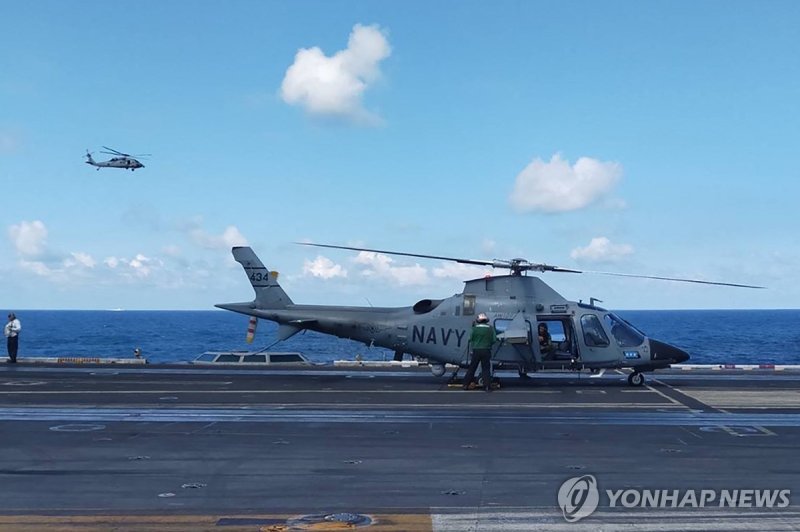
[328,448]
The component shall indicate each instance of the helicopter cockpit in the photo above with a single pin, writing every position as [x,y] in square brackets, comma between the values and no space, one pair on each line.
[625,334]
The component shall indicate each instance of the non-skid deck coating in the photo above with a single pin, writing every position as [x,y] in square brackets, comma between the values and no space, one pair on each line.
[180,448]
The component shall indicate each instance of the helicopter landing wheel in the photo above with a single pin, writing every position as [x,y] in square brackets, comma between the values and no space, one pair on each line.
[454,378]
[636,379]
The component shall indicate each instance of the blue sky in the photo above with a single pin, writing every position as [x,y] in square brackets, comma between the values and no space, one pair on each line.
[656,138]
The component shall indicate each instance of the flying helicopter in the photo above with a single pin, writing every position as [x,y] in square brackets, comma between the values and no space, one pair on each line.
[583,337]
[119,160]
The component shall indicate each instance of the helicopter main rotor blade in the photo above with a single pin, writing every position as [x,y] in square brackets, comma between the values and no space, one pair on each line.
[521,265]
[453,259]
[515,265]
[112,151]
[559,269]
[698,281]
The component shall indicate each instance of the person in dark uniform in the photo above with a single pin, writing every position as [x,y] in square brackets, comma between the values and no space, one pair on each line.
[481,339]
[546,346]
[11,331]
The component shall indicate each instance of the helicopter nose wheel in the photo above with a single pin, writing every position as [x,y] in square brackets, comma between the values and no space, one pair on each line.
[636,379]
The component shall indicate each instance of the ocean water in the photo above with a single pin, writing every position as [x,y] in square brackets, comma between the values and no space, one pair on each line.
[710,336]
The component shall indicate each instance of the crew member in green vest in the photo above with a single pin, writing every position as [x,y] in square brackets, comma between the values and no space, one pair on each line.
[481,340]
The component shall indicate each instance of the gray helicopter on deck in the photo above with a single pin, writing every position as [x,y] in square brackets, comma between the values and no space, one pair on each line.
[119,160]
[581,337]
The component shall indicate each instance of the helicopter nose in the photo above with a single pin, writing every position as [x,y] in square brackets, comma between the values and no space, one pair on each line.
[667,353]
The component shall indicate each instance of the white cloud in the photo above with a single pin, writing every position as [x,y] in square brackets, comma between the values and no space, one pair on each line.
[323,267]
[62,270]
[378,265]
[70,271]
[37,267]
[334,86]
[601,249]
[30,242]
[79,259]
[29,238]
[76,267]
[139,267]
[230,237]
[557,186]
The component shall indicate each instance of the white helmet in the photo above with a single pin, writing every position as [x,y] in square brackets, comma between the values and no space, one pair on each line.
[483,318]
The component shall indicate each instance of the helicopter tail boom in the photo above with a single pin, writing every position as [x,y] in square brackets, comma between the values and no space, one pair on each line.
[269,294]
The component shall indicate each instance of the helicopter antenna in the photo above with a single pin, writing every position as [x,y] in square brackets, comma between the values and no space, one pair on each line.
[520,266]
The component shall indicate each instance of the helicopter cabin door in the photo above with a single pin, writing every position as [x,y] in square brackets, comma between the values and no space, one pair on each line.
[517,346]
[556,340]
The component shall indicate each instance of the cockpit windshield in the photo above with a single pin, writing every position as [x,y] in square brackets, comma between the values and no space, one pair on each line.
[623,333]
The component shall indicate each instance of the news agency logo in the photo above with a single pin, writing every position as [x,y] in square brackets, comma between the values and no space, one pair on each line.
[578,497]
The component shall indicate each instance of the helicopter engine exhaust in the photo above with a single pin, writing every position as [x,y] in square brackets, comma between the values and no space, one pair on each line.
[426,305]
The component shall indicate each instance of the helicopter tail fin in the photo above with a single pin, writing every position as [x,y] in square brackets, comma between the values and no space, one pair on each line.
[89,159]
[269,294]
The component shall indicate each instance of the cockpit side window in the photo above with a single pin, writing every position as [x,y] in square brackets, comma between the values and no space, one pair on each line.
[623,333]
[593,333]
